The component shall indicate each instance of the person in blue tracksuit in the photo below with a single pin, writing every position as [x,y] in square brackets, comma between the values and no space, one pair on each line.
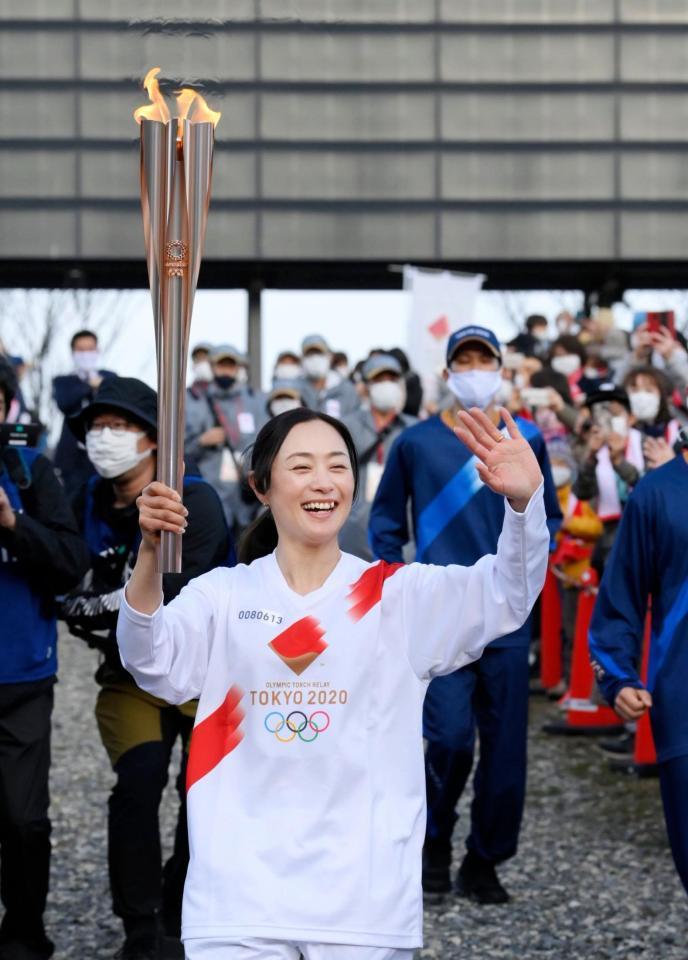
[649,561]
[41,555]
[457,519]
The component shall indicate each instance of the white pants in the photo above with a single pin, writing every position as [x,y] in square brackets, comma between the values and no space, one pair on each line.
[276,950]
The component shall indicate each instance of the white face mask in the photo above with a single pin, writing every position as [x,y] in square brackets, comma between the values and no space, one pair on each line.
[387,395]
[287,371]
[567,364]
[561,475]
[203,371]
[619,425]
[114,453]
[645,405]
[86,361]
[316,365]
[541,334]
[282,405]
[343,371]
[475,388]
[592,373]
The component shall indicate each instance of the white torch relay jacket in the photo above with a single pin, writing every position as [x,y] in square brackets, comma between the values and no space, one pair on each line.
[306,787]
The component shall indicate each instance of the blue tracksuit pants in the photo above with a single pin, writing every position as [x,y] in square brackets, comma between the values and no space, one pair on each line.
[489,696]
[673,781]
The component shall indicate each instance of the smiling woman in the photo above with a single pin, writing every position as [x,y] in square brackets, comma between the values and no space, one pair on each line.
[311,666]
[304,470]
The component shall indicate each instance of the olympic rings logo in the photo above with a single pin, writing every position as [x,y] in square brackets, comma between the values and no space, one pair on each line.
[298,725]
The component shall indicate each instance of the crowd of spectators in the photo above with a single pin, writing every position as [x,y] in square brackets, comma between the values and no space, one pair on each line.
[600,406]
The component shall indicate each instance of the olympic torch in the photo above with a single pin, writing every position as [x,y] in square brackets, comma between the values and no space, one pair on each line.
[176,171]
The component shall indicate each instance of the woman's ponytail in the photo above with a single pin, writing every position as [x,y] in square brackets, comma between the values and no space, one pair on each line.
[259,538]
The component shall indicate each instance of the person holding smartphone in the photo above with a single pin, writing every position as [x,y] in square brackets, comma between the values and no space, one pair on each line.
[659,345]
[610,462]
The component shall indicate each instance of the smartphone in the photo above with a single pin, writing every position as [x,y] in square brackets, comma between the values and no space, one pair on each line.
[535,396]
[663,319]
[513,361]
[20,434]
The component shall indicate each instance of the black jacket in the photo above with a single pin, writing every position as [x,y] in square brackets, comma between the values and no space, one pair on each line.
[113,537]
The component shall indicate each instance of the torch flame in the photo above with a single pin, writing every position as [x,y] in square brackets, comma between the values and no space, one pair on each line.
[192,106]
[157,110]
[203,113]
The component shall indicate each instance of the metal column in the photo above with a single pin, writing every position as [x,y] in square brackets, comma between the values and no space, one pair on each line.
[255,334]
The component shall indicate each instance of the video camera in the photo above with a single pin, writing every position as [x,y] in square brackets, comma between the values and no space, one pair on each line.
[19,434]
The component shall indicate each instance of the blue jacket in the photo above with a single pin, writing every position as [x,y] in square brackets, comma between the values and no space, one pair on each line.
[649,560]
[41,557]
[455,517]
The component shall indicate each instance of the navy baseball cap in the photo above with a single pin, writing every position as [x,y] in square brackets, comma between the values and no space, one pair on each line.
[473,334]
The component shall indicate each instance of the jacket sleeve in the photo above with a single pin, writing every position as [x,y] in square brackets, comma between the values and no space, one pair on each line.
[206,543]
[167,652]
[618,622]
[69,393]
[198,420]
[451,613]
[46,539]
[388,531]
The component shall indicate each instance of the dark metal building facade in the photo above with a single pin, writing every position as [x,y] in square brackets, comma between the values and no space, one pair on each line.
[453,131]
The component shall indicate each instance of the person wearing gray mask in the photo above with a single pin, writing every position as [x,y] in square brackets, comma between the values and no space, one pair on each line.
[321,387]
[284,396]
[374,427]
[219,430]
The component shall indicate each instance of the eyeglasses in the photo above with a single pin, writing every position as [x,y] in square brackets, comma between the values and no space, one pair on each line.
[118,427]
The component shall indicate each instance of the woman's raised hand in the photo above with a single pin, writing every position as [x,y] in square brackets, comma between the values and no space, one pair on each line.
[506,465]
[160,508]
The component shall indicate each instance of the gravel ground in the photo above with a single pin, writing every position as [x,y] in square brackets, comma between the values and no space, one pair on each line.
[593,878]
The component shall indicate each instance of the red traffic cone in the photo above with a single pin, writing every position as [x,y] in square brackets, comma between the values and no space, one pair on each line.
[583,716]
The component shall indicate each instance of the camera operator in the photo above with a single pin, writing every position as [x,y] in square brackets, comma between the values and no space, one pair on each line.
[41,555]
[138,731]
